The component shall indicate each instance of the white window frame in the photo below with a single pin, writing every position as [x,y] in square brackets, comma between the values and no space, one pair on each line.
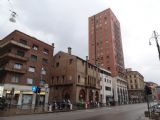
[29,81]
[18,66]
[31,69]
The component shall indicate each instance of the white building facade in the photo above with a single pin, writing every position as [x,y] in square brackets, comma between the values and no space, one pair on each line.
[120,91]
[106,87]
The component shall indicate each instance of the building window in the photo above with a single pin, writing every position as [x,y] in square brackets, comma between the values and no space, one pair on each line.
[135,81]
[17,65]
[20,53]
[15,78]
[23,41]
[79,78]
[109,68]
[63,79]
[31,69]
[107,88]
[136,87]
[33,58]
[29,81]
[45,51]
[35,47]
[70,61]
[57,64]
[44,61]
[52,80]
[131,86]
[43,71]
[57,79]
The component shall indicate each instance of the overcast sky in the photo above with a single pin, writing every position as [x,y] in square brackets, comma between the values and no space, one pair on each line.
[65,23]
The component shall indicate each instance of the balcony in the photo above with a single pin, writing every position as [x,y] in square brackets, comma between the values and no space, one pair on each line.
[90,85]
[12,42]
[62,83]
[14,56]
[11,68]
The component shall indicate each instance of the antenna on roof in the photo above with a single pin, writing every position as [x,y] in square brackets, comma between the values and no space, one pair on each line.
[13,17]
[13,13]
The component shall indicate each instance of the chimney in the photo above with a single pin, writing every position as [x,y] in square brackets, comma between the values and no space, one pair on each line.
[53,45]
[69,50]
[86,58]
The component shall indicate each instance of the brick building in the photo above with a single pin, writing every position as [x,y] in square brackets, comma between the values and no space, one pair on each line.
[24,62]
[105,50]
[105,44]
[74,79]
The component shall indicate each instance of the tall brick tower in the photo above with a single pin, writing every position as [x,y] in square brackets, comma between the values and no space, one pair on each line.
[105,44]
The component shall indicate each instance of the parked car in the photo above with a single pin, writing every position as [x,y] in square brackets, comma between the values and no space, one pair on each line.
[156,108]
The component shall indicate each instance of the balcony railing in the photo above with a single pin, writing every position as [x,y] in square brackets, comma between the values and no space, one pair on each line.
[12,42]
[14,56]
[11,68]
[62,83]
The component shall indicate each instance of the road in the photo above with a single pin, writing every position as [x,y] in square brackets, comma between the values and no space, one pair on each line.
[125,112]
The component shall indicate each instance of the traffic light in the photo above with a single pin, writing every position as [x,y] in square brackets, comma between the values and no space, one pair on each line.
[148,90]
[38,89]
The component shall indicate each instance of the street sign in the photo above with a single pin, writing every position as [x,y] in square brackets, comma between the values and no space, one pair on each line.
[34,88]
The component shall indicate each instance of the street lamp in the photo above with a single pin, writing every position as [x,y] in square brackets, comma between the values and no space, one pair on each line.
[155,36]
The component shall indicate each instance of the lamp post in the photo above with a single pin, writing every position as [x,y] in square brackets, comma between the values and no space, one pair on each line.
[38,88]
[155,36]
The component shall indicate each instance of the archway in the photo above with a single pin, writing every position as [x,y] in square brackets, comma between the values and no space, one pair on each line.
[97,96]
[66,94]
[90,95]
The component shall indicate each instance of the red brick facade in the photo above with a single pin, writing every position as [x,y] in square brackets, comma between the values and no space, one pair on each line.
[105,45]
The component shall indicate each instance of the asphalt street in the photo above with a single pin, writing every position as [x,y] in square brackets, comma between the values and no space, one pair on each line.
[124,112]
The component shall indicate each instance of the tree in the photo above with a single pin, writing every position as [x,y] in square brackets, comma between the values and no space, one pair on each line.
[3,103]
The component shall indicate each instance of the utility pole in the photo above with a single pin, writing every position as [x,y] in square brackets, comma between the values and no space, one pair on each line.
[155,36]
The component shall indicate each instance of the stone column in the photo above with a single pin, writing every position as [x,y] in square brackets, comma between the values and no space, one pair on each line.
[33,100]
[20,99]
[46,98]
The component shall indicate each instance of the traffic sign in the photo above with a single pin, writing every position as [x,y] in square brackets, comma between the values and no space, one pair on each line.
[34,88]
